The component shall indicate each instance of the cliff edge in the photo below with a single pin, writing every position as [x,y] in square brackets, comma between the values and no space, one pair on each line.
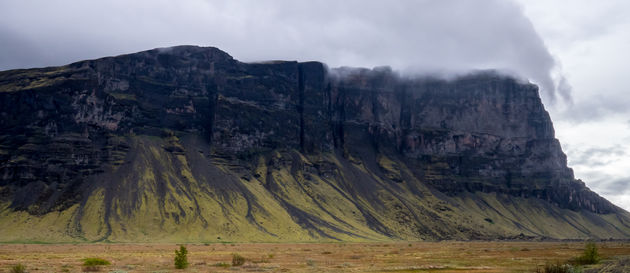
[188,144]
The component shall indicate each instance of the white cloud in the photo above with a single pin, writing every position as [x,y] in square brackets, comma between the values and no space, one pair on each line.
[599,153]
[448,36]
[589,39]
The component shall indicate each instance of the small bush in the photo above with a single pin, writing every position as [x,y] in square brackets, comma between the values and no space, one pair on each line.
[237,260]
[590,255]
[18,268]
[181,258]
[95,262]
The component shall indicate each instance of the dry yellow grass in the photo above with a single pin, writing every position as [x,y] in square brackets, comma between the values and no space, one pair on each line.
[326,257]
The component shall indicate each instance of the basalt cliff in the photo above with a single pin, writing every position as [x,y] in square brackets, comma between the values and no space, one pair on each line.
[187,144]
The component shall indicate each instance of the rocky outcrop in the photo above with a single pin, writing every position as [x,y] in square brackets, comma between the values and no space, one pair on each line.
[481,132]
[195,116]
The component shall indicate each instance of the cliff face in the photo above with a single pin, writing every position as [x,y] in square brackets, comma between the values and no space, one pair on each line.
[481,132]
[190,142]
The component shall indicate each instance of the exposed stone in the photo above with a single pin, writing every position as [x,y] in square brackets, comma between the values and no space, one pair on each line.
[484,132]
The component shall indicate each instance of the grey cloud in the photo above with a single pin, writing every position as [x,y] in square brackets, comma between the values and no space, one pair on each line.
[596,108]
[615,189]
[450,36]
[611,186]
[564,89]
[619,186]
[595,156]
[589,20]
[17,51]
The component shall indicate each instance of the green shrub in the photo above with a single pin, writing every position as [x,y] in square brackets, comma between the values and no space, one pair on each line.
[590,255]
[181,259]
[18,268]
[237,260]
[95,262]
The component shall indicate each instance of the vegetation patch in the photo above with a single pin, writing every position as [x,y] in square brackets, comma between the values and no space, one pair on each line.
[590,255]
[95,262]
[18,268]
[181,258]
[237,260]
[445,256]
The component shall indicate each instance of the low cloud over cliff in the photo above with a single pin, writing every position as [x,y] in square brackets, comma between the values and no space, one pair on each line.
[418,36]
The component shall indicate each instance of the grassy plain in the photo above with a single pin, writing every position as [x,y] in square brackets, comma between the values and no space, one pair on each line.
[297,257]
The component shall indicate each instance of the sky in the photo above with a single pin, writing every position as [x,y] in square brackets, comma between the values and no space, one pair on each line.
[575,50]
[589,40]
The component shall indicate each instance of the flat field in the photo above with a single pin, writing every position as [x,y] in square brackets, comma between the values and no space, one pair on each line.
[308,257]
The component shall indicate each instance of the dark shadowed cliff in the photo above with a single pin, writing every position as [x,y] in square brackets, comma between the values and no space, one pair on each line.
[188,144]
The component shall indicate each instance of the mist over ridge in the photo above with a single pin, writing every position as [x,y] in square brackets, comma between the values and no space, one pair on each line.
[415,37]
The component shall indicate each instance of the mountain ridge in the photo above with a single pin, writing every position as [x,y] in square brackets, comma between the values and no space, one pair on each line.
[188,144]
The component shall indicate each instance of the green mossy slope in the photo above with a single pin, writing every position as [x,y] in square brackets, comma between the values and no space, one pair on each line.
[187,144]
[188,195]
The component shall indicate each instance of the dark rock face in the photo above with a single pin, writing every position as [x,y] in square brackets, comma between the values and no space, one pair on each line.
[484,132]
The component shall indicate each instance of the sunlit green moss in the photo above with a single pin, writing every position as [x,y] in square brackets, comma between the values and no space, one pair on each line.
[160,196]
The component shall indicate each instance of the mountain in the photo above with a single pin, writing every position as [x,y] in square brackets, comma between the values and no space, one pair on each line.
[188,144]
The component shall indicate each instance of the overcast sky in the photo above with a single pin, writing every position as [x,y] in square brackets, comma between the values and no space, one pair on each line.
[589,40]
[576,50]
